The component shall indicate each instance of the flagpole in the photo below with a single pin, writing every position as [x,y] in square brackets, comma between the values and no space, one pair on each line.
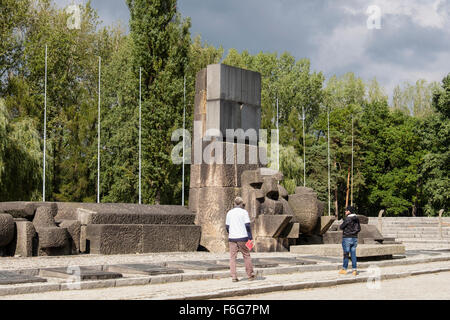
[278,141]
[98,138]
[304,147]
[184,127]
[328,157]
[45,125]
[140,135]
[351,186]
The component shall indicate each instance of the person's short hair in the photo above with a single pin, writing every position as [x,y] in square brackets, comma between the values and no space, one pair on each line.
[239,201]
[350,208]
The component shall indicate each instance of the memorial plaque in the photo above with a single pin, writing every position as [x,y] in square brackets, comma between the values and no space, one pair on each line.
[9,277]
[257,263]
[143,269]
[283,260]
[320,258]
[196,265]
[79,273]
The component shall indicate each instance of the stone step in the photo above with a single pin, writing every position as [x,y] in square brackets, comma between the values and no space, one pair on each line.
[414,240]
[415,231]
[397,236]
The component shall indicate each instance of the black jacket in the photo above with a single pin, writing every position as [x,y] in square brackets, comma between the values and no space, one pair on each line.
[350,226]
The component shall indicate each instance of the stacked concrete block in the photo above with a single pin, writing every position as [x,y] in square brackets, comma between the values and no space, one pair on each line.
[120,229]
[233,99]
[227,99]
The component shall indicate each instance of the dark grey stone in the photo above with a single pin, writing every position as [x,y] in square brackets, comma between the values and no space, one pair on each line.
[257,263]
[196,265]
[144,269]
[9,277]
[320,258]
[282,260]
[85,273]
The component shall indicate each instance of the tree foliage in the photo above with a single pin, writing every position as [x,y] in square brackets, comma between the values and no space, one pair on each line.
[400,149]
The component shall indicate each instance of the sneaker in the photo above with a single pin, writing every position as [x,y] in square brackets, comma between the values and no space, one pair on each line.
[355,273]
[235,280]
[343,271]
[252,277]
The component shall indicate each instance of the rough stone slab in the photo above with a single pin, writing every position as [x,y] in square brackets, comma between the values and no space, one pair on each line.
[22,244]
[170,238]
[291,231]
[138,238]
[52,237]
[114,238]
[362,250]
[214,203]
[9,277]
[196,265]
[144,269]
[23,209]
[6,229]
[84,273]
[269,244]
[170,217]
[325,223]
[69,210]
[271,225]
[74,229]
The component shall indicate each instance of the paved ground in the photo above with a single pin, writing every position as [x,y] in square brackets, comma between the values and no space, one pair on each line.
[284,279]
[424,287]
[279,282]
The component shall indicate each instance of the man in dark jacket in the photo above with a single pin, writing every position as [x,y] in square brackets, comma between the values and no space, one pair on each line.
[350,228]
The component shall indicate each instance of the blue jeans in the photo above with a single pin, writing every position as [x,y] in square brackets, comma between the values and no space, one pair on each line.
[349,246]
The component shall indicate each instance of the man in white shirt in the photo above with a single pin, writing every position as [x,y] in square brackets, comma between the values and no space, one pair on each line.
[239,232]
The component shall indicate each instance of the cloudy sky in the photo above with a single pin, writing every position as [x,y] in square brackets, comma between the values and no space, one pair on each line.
[412,41]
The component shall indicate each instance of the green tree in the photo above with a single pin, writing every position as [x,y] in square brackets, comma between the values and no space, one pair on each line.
[435,168]
[161,43]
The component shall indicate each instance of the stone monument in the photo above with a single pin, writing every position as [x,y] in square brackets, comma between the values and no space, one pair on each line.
[228,162]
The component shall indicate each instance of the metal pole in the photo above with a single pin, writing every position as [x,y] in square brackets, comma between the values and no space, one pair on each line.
[328,156]
[140,134]
[304,148]
[278,142]
[45,125]
[98,138]
[351,185]
[184,127]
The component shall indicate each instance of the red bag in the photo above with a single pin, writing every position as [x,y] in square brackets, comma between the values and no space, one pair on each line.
[249,244]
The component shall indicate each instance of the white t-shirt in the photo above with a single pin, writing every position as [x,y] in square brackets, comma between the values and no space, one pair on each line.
[236,220]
